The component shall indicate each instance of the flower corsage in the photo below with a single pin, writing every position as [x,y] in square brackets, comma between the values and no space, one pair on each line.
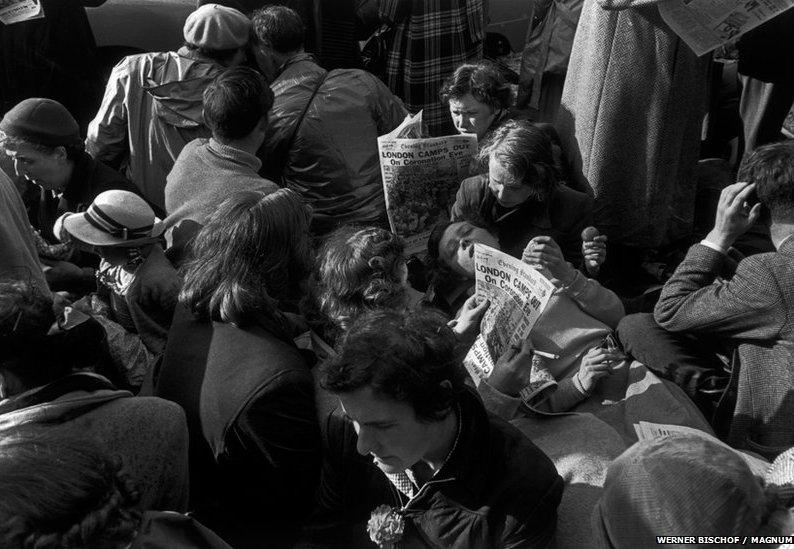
[386,526]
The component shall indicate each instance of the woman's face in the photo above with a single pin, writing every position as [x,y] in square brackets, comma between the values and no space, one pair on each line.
[456,247]
[509,191]
[470,116]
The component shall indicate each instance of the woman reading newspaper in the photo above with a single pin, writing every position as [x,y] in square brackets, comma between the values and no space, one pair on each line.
[566,386]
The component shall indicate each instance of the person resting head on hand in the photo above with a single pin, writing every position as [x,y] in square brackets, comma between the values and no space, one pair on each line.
[574,328]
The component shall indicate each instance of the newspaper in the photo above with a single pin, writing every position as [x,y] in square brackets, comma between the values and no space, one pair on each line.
[518,294]
[16,11]
[707,24]
[420,178]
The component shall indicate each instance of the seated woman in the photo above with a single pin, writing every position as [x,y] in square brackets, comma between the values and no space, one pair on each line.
[479,99]
[687,485]
[521,196]
[79,497]
[574,326]
[231,363]
[358,269]
[138,286]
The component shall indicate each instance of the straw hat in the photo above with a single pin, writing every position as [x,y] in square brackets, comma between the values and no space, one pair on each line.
[115,218]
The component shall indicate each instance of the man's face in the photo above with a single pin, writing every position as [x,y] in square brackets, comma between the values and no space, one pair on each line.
[387,429]
[456,247]
[49,171]
[509,191]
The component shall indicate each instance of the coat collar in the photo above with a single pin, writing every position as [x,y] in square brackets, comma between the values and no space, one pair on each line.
[538,212]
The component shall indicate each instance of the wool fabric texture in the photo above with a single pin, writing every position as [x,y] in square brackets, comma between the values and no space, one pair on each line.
[42,121]
[217,27]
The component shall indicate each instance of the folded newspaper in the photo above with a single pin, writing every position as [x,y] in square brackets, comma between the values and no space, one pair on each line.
[420,178]
[518,294]
[707,24]
[17,11]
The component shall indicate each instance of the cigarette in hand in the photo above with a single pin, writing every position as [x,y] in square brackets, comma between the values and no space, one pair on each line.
[551,356]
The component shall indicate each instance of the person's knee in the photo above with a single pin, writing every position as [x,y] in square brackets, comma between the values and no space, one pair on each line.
[635,330]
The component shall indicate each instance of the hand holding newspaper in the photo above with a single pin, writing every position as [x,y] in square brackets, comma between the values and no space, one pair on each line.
[707,24]
[420,178]
[518,294]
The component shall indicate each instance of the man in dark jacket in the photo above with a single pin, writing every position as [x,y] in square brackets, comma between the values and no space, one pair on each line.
[411,437]
[322,138]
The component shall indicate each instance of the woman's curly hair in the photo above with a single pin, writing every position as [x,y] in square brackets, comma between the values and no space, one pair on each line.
[358,269]
[63,492]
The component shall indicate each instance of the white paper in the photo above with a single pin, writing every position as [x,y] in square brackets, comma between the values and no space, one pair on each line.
[518,294]
[707,24]
[420,178]
[16,11]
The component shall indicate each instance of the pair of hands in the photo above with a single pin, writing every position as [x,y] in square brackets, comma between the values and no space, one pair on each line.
[513,371]
[737,211]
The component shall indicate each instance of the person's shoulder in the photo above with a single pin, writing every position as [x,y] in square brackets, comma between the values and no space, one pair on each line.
[475,185]
[567,195]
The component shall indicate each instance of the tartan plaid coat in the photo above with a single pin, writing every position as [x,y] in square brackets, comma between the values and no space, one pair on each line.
[431,38]
[754,313]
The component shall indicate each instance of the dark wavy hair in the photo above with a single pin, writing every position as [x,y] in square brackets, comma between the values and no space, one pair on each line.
[60,491]
[771,168]
[357,270]
[484,81]
[403,355]
[280,26]
[250,257]
[525,151]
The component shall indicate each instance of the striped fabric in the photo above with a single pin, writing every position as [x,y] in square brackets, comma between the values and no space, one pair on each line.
[432,37]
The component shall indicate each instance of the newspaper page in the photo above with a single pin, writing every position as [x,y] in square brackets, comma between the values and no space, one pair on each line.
[16,11]
[707,24]
[420,179]
[518,294]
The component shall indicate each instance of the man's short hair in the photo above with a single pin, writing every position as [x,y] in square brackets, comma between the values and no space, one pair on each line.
[402,355]
[281,27]
[771,168]
[235,102]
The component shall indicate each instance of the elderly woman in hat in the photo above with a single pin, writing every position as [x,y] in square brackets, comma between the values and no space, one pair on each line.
[138,287]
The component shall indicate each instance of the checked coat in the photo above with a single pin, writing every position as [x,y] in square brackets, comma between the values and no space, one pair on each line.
[431,38]
[752,312]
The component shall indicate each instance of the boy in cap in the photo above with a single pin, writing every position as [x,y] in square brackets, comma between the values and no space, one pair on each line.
[152,103]
[43,140]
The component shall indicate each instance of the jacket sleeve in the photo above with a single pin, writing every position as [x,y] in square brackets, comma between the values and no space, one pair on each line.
[749,305]
[280,425]
[107,139]
[597,301]
[625,4]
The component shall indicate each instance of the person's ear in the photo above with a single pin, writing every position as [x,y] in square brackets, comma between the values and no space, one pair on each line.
[60,153]
[446,394]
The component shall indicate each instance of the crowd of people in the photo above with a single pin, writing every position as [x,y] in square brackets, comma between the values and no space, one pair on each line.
[210,336]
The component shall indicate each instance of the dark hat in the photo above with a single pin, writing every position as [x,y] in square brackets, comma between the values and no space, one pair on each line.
[217,27]
[43,122]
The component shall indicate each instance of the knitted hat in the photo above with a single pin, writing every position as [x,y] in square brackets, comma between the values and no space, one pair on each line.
[115,218]
[217,28]
[42,121]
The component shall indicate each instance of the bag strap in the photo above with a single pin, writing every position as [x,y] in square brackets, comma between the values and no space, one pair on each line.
[298,125]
